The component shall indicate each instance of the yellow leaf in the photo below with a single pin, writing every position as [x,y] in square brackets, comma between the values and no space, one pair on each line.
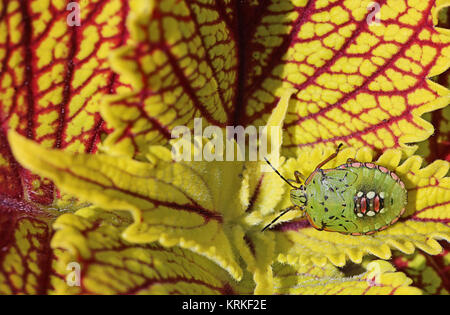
[357,82]
[170,203]
[89,245]
[430,273]
[187,59]
[25,254]
[53,75]
[176,203]
[374,91]
[379,279]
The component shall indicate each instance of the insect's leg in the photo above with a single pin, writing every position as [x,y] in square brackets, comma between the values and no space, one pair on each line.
[329,158]
[322,226]
[299,177]
[318,167]
[276,219]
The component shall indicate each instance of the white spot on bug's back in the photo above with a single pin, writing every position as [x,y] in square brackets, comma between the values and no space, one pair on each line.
[360,194]
[382,210]
[371,213]
[360,214]
[371,194]
[382,195]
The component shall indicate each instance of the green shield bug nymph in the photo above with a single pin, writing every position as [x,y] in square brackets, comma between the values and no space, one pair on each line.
[355,198]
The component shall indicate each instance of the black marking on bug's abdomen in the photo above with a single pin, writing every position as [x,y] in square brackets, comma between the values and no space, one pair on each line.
[368,203]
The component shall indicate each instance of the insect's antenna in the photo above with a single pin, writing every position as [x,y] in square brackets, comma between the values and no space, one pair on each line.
[276,171]
[276,219]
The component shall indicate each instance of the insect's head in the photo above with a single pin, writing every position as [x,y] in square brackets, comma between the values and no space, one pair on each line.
[298,196]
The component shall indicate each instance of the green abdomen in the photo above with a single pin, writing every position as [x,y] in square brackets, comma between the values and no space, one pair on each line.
[356,198]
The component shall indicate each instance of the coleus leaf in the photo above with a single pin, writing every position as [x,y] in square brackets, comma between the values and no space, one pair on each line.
[155,195]
[228,62]
[52,76]
[176,203]
[440,142]
[426,218]
[108,264]
[380,278]
[372,91]
[134,120]
[430,273]
[25,254]
[182,204]
[438,145]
